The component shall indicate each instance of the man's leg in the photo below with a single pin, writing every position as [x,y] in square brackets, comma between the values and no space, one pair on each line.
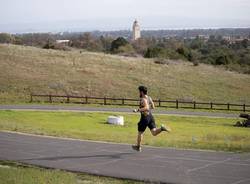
[156,131]
[137,147]
[139,138]
[141,128]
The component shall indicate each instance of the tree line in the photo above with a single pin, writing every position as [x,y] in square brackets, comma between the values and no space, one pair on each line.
[215,50]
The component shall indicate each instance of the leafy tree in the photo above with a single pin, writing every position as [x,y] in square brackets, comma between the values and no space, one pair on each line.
[159,52]
[128,50]
[36,39]
[6,38]
[245,43]
[106,43]
[18,40]
[154,52]
[120,41]
[140,45]
[185,52]
[196,43]
[222,60]
[90,43]
[221,56]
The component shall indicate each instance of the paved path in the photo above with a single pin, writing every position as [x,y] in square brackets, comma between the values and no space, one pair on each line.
[118,160]
[109,109]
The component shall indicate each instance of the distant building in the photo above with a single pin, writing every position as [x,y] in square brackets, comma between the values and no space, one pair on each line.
[62,41]
[234,39]
[136,31]
[203,37]
[227,38]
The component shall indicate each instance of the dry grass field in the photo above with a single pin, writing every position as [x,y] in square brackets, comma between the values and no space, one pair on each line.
[26,69]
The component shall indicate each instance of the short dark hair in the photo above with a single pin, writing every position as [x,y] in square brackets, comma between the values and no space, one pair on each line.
[144,89]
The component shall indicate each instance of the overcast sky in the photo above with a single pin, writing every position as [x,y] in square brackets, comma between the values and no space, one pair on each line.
[63,15]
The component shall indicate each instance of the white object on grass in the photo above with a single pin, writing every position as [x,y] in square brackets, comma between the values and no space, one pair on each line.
[116,120]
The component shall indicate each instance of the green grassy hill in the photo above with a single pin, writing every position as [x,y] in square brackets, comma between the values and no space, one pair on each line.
[27,69]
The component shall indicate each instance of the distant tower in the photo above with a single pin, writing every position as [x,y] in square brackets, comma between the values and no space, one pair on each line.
[136,31]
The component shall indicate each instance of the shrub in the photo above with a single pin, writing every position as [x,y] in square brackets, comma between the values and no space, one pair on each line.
[196,63]
[119,42]
[49,45]
[125,49]
[6,38]
[222,60]
[185,52]
[154,52]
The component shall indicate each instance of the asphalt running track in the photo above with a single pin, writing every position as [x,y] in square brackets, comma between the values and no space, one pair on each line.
[110,109]
[118,160]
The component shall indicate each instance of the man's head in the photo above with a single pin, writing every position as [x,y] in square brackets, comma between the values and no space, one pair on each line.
[142,90]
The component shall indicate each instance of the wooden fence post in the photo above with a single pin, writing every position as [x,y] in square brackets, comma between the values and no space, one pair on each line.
[86,99]
[194,105]
[211,105]
[67,98]
[50,98]
[228,106]
[105,102]
[244,107]
[159,102]
[177,104]
[123,101]
[31,98]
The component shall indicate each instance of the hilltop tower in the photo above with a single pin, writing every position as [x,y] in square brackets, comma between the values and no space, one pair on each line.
[136,31]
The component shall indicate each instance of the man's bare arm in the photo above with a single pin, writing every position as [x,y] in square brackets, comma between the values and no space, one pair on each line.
[152,104]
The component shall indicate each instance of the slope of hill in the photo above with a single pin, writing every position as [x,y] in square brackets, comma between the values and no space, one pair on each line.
[28,69]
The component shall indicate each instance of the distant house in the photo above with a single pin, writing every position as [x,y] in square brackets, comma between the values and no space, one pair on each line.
[64,42]
[233,39]
[203,37]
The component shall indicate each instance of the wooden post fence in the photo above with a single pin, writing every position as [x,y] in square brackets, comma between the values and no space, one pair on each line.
[131,102]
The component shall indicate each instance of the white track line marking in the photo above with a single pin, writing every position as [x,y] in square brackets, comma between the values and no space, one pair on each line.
[207,165]
[241,181]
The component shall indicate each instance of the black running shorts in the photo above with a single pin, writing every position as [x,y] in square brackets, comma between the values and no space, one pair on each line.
[146,121]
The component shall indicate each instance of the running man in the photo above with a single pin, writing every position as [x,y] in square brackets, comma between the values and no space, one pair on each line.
[147,119]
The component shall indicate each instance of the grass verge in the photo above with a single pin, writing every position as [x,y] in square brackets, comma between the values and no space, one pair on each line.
[16,173]
[188,132]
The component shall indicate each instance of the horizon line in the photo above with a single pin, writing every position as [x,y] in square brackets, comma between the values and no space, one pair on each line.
[123,29]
